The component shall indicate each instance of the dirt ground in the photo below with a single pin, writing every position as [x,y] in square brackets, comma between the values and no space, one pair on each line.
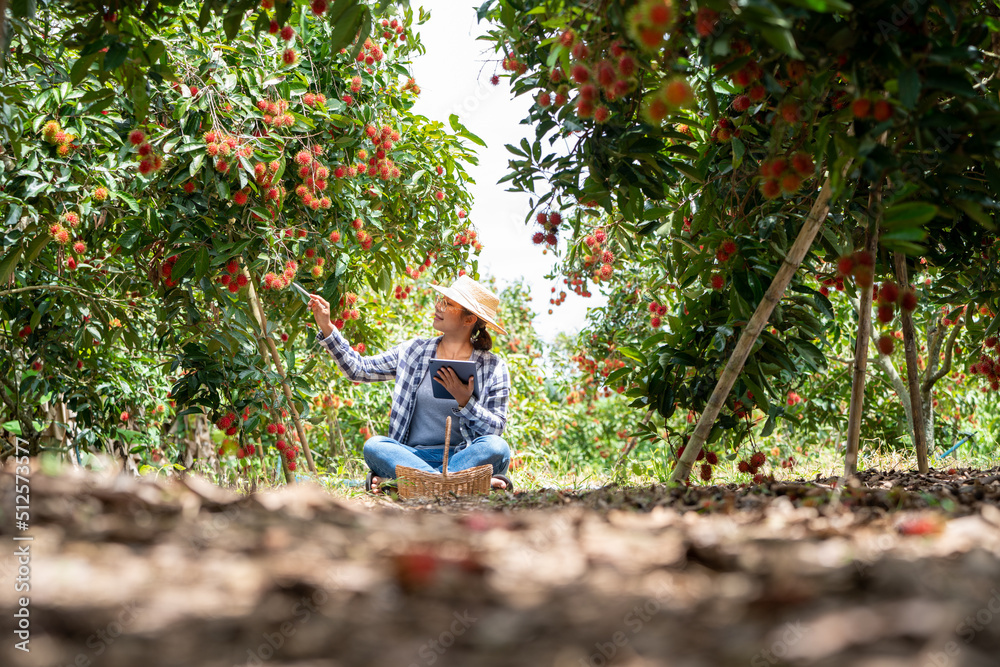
[894,569]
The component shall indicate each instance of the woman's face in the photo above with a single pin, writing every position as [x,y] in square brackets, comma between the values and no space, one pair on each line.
[450,316]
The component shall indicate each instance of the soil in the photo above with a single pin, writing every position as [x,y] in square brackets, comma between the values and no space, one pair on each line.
[892,569]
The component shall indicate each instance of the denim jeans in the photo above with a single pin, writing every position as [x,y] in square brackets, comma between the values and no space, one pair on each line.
[383,454]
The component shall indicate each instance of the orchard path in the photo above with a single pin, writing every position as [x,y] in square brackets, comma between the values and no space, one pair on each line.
[901,569]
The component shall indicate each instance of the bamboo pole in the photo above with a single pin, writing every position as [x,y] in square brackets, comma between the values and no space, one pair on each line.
[265,356]
[258,312]
[789,265]
[912,373]
[860,361]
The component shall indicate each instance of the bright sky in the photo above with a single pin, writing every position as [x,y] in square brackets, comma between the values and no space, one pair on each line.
[454,78]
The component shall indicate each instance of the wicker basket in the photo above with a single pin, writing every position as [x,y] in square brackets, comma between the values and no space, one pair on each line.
[415,483]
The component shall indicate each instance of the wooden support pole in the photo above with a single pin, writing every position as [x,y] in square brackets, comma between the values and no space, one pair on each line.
[860,363]
[258,313]
[752,330]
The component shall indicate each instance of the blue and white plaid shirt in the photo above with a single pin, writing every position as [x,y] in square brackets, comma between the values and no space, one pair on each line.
[407,363]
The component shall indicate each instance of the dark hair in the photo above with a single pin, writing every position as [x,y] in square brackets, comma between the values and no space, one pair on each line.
[480,337]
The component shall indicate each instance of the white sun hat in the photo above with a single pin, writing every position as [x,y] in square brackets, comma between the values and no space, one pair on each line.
[475,298]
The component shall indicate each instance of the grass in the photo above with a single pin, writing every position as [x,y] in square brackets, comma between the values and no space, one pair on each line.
[645,467]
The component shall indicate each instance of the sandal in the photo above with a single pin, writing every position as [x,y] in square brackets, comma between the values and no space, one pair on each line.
[506,480]
[384,485]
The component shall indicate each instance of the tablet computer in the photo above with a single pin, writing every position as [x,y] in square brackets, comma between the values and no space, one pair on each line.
[463,369]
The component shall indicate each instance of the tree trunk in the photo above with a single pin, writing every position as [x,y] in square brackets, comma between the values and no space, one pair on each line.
[817,215]
[912,374]
[860,360]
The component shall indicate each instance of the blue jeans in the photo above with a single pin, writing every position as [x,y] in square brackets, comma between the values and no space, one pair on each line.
[383,454]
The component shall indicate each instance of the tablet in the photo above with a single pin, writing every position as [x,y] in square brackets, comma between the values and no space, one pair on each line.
[464,370]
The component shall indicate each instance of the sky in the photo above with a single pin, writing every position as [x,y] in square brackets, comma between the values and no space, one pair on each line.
[454,78]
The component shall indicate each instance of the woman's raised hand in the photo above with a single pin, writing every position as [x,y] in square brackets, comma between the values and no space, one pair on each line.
[321,313]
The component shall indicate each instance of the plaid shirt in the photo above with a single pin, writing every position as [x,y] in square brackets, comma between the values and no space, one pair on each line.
[407,363]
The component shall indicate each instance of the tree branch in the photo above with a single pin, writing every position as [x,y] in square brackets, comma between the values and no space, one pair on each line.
[949,348]
[64,288]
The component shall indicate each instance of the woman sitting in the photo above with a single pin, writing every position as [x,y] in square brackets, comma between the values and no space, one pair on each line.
[463,314]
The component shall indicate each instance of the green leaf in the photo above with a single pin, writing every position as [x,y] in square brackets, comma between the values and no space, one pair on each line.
[905,234]
[994,326]
[617,375]
[812,356]
[338,8]
[781,39]
[205,15]
[689,171]
[154,50]
[8,263]
[759,396]
[196,164]
[633,354]
[222,188]
[13,215]
[115,56]
[909,88]
[201,263]
[140,99]
[13,426]
[24,9]
[770,423]
[98,94]
[35,247]
[909,214]
[81,67]
[685,150]
[182,108]
[129,238]
[366,30]
[484,9]
[233,21]
[346,28]
[976,212]
[128,199]
[515,150]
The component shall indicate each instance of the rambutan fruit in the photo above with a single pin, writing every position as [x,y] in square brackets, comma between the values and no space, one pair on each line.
[886,344]
[882,111]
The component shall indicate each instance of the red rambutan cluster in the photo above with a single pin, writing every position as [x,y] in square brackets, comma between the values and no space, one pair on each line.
[785,174]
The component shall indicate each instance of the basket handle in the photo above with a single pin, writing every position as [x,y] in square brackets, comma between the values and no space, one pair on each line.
[447,440]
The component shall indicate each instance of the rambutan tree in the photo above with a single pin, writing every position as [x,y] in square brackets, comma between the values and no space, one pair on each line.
[710,147]
[162,219]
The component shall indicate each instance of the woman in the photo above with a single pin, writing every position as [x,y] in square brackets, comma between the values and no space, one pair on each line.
[462,314]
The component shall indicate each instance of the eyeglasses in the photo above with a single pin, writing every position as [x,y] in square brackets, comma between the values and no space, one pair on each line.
[443,303]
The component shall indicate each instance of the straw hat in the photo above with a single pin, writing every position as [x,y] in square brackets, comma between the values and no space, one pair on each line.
[475,298]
